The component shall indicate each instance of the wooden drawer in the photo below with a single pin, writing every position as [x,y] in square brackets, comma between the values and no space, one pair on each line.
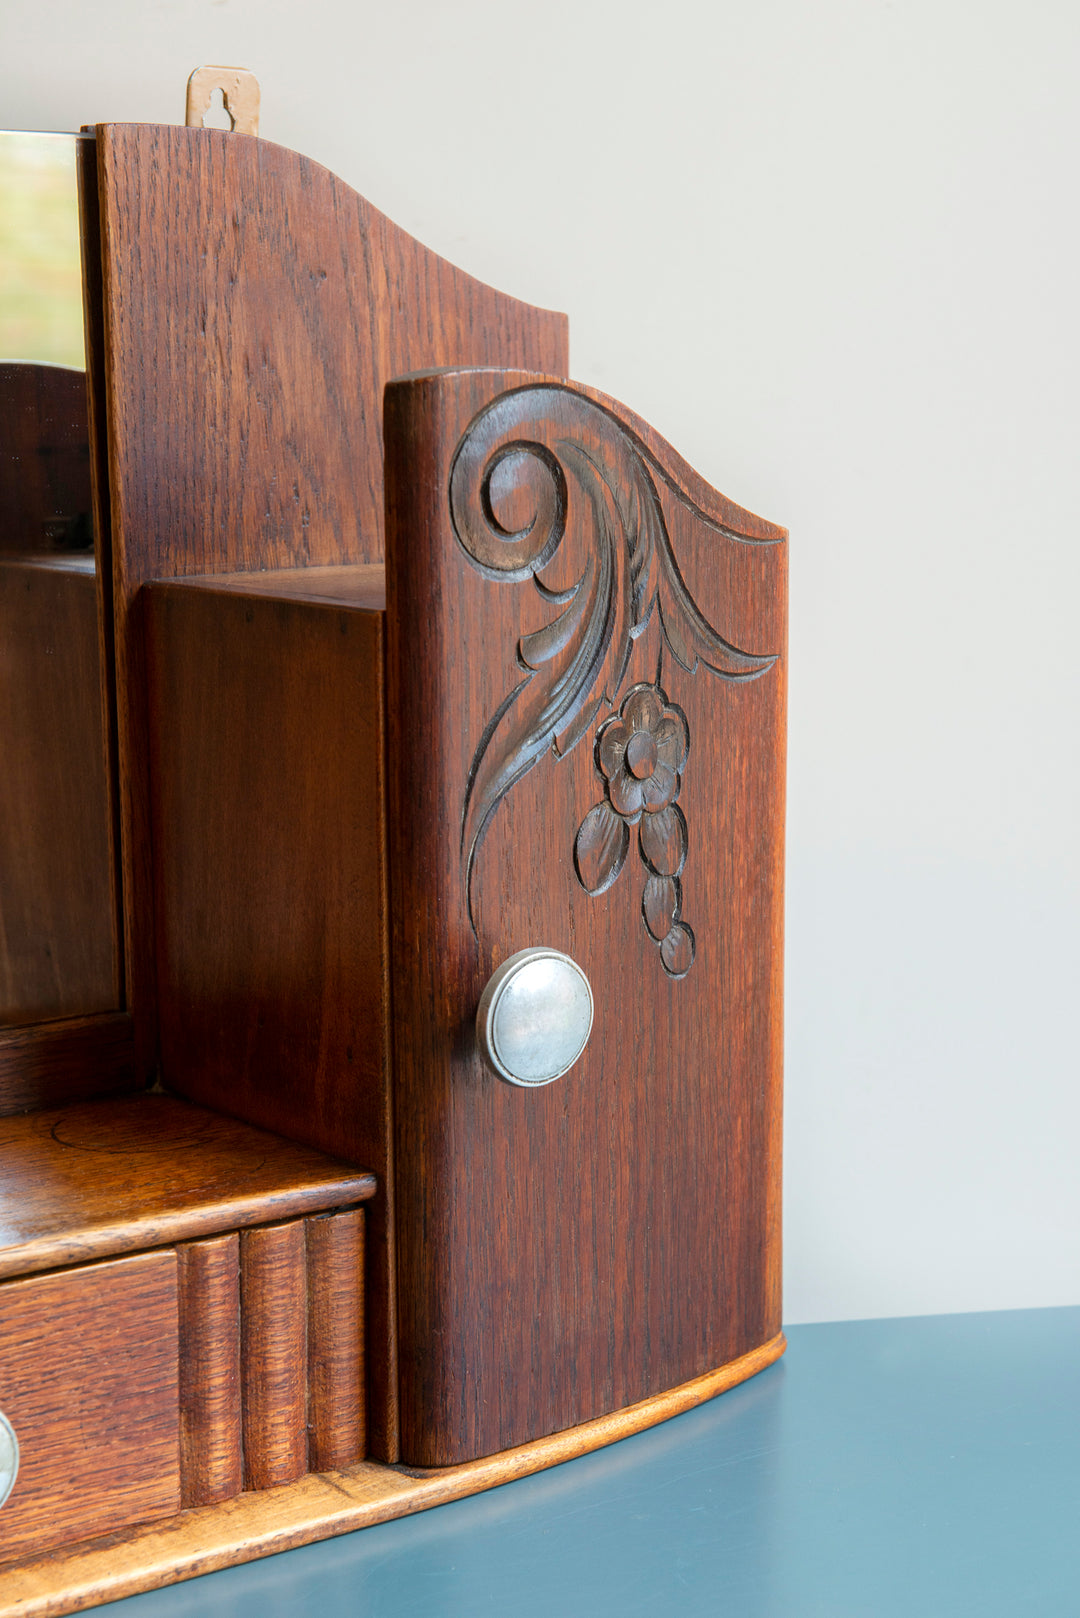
[88,1380]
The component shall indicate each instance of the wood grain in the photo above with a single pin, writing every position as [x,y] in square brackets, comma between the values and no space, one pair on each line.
[88,1381]
[624,1220]
[335,1342]
[58,953]
[211,1450]
[273,1354]
[50,1064]
[317,1508]
[268,790]
[254,308]
[45,506]
[267,777]
[110,1177]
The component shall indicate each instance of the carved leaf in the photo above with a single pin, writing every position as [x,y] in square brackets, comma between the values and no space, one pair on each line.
[600,848]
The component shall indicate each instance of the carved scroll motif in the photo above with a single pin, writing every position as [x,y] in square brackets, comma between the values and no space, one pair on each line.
[533,447]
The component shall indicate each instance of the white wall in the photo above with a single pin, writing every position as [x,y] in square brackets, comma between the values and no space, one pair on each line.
[830,250]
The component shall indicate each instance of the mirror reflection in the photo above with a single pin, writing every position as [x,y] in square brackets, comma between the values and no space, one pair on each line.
[58,953]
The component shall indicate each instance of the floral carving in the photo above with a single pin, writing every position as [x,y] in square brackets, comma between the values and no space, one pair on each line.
[538,465]
[643,752]
[641,755]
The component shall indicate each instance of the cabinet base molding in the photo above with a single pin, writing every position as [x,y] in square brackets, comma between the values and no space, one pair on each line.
[320,1506]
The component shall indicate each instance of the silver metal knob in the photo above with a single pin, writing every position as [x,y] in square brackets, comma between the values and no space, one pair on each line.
[535,1017]
[9,1457]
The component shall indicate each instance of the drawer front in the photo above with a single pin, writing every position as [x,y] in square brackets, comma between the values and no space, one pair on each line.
[88,1381]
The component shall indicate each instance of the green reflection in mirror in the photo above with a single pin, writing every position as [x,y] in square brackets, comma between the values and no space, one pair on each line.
[41,316]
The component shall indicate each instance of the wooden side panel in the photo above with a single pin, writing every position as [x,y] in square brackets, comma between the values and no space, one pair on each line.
[88,1379]
[211,1452]
[569,1250]
[267,757]
[335,1269]
[273,1356]
[266,766]
[254,308]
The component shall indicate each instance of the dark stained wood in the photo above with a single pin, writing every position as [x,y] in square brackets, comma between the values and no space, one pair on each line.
[88,1381]
[45,504]
[268,793]
[254,308]
[51,1064]
[110,1177]
[567,1251]
[273,1368]
[576,1261]
[211,1450]
[335,1343]
[284,302]
[317,1508]
[57,920]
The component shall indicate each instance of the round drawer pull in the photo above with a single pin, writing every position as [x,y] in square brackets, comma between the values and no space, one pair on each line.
[9,1457]
[535,1017]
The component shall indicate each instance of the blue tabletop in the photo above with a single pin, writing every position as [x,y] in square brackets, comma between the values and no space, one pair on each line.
[883,1469]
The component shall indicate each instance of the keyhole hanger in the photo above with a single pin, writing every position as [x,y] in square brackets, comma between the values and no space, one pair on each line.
[223,98]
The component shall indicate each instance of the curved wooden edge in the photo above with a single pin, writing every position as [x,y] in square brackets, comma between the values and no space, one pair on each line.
[194,134]
[321,1506]
[690,487]
[687,483]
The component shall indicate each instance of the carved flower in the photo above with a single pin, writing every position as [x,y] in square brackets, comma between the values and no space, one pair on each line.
[642,753]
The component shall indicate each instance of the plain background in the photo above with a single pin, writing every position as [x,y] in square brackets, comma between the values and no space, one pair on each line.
[830,251]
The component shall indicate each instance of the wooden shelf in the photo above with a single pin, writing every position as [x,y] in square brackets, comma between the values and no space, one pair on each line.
[358,584]
[103,1178]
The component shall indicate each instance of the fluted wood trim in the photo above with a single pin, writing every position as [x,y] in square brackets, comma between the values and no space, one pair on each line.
[335,1277]
[273,1337]
[211,1458]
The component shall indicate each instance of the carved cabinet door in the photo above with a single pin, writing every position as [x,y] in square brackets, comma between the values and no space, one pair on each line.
[586,689]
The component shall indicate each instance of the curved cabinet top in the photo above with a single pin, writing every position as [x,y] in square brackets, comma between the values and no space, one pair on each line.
[255,306]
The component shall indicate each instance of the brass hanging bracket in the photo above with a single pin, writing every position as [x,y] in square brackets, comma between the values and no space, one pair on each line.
[239,91]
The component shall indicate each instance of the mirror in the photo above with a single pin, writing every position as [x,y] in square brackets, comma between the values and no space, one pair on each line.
[58,951]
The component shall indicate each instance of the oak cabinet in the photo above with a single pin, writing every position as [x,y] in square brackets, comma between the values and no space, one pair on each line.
[415,655]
